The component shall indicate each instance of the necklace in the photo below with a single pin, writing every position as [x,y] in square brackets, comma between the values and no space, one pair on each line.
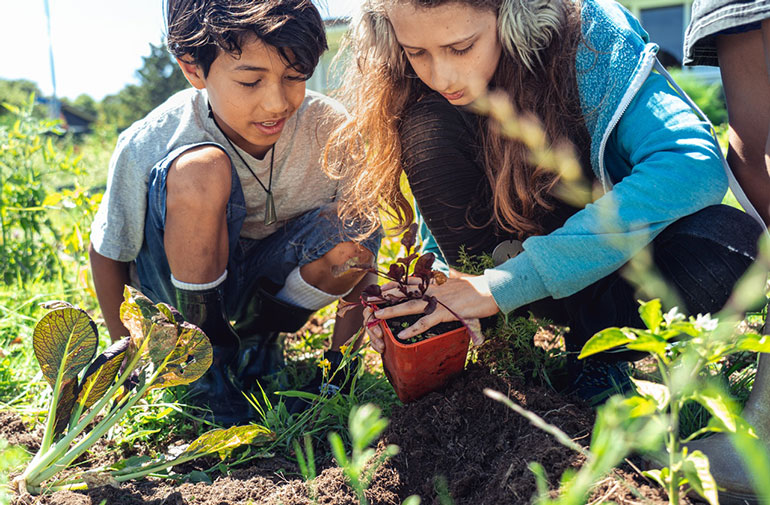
[270,215]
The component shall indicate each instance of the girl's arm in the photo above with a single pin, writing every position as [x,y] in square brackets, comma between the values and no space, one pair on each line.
[667,167]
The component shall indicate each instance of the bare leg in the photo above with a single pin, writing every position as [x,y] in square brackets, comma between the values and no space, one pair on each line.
[745,74]
[198,188]
[319,274]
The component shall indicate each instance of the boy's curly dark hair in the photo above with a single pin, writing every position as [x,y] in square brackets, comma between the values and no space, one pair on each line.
[202,28]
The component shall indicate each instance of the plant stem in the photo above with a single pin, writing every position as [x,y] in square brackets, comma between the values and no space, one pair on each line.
[32,473]
[102,427]
[673,454]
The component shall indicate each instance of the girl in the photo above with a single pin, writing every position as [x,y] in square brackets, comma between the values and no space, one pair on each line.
[584,69]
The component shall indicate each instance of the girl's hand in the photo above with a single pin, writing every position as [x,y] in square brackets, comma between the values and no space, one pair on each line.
[468,296]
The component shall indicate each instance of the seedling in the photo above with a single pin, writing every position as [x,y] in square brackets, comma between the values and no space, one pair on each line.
[161,351]
[412,286]
[683,348]
[365,425]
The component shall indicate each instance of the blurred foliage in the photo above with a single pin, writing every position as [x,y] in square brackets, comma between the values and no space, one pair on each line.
[709,97]
[16,92]
[42,223]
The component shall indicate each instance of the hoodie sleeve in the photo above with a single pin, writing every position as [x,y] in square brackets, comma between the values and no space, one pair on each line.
[668,167]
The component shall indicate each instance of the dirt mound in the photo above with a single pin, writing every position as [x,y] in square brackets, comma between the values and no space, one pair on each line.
[476,445]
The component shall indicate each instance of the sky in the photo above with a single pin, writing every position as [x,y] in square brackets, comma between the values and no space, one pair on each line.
[97,44]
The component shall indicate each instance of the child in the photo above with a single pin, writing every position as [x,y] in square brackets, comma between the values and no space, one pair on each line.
[584,70]
[736,37]
[219,198]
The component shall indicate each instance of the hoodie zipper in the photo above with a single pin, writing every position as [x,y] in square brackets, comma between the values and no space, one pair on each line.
[648,61]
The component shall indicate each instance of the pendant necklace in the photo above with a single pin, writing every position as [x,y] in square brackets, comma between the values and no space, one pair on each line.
[270,215]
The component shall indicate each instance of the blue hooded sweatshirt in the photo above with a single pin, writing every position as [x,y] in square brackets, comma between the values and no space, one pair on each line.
[655,158]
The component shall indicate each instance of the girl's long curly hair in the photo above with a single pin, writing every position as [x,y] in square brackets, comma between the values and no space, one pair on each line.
[537,72]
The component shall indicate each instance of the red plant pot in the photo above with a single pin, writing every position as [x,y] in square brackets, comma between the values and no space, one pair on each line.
[416,369]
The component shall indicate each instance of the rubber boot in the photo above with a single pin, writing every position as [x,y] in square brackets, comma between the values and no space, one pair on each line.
[726,464]
[261,318]
[260,356]
[216,389]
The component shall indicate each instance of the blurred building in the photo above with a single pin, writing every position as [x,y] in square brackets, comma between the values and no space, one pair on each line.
[666,22]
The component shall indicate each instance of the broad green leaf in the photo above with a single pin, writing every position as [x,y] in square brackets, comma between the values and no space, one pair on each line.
[101,374]
[67,338]
[696,470]
[754,343]
[647,342]
[223,442]
[719,406]
[189,358]
[147,323]
[651,314]
[65,405]
[605,340]
[658,393]
[131,463]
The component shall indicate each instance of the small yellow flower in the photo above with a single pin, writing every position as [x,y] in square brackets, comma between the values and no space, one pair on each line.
[325,364]
[343,349]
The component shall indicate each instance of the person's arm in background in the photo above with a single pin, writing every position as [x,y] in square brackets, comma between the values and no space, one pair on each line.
[109,277]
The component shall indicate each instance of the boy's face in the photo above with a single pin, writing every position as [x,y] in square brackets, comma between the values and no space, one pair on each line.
[252,95]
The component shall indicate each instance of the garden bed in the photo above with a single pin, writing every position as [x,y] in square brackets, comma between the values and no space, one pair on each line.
[480,448]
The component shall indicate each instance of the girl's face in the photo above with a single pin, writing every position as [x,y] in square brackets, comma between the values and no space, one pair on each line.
[453,48]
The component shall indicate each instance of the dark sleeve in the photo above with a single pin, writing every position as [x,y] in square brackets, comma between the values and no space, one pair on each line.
[440,154]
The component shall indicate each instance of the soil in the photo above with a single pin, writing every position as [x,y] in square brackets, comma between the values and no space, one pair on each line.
[397,324]
[476,444]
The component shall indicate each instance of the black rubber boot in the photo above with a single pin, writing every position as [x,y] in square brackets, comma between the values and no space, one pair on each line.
[215,390]
[260,356]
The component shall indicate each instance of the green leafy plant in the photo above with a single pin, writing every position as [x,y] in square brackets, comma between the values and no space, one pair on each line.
[683,349]
[29,160]
[161,351]
[365,425]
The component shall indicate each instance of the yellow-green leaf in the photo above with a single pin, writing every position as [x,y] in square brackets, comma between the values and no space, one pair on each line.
[224,441]
[101,374]
[696,470]
[648,342]
[64,338]
[605,340]
[189,358]
[658,393]
[720,407]
[651,313]
[754,343]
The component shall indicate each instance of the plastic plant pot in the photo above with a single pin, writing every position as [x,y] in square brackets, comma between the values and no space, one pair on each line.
[417,369]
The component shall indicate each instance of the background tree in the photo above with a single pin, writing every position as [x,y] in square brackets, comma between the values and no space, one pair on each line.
[159,78]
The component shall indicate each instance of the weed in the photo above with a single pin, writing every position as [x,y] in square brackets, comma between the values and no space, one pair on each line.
[683,349]
[365,425]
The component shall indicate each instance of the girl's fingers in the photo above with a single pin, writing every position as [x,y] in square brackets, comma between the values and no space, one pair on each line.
[421,325]
[402,309]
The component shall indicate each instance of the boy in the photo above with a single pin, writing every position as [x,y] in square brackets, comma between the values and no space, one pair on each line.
[219,198]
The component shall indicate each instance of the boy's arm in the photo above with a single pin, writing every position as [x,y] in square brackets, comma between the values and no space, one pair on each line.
[110,277]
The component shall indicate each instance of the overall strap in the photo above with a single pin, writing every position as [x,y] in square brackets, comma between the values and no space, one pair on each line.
[734,186]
